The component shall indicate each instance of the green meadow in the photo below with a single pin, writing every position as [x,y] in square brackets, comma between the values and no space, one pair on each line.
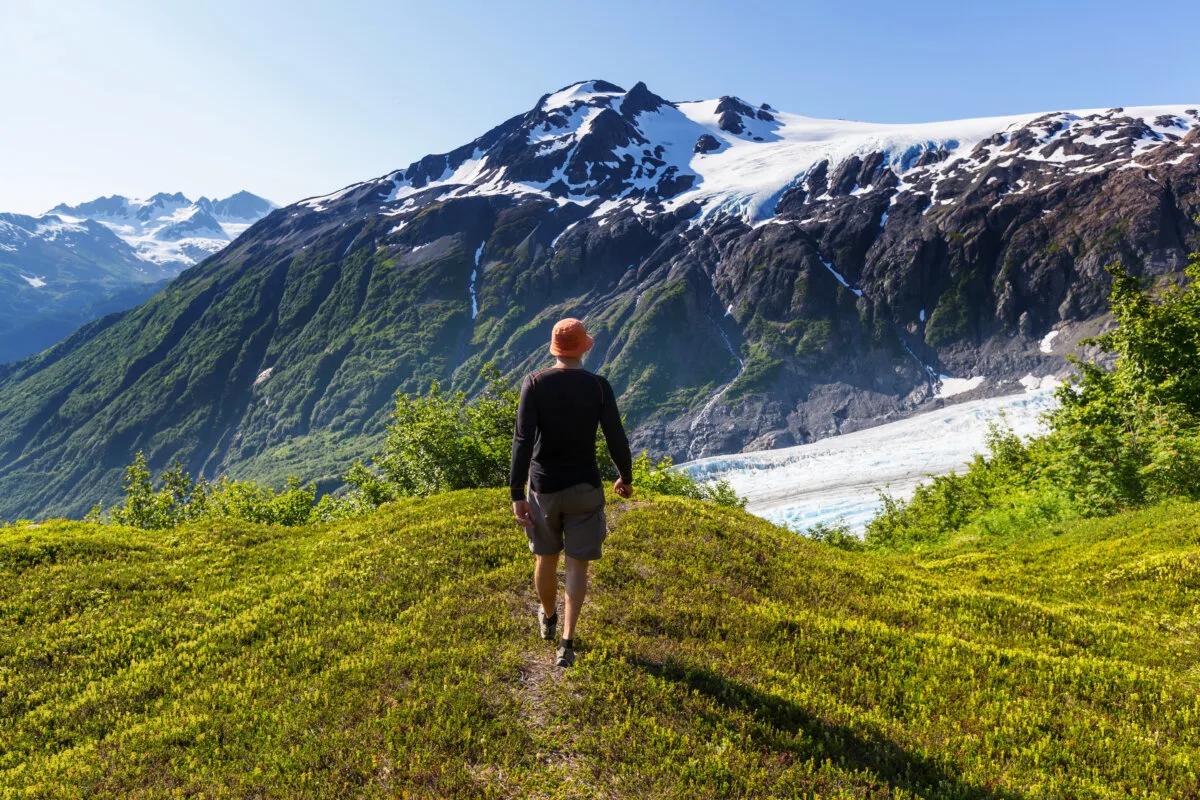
[395,655]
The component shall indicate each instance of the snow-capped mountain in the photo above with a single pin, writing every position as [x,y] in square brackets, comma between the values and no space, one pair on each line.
[754,279]
[76,263]
[594,141]
[169,230]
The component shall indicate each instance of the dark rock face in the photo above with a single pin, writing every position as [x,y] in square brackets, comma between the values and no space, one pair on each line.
[640,99]
[706,144]
[831,304]
[730,111]
[733,115]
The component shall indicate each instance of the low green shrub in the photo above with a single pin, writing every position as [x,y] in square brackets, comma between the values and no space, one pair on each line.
[442,441]
[177,498]
[661,477]
[839,536]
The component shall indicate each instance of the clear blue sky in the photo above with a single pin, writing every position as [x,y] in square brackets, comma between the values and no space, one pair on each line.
[290,99]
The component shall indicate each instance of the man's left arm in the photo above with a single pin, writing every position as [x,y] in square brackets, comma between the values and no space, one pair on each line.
[618,442]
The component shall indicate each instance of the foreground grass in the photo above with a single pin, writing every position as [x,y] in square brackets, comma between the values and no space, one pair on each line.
[721,657]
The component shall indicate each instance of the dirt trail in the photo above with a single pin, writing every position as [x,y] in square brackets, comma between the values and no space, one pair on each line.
[545,691]
[538,673]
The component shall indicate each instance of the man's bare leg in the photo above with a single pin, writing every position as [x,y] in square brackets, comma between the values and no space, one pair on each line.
[577,581]
[545,581]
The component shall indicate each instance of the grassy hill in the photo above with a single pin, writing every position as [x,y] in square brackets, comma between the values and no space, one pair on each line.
[721,657]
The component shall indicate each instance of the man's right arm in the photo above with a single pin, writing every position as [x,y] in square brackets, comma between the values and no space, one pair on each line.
[614,434]
[523,438]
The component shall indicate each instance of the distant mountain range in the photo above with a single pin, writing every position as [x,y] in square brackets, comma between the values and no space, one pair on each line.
[76,263]
[753,279]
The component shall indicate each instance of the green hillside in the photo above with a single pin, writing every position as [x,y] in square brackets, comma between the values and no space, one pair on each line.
[721,657]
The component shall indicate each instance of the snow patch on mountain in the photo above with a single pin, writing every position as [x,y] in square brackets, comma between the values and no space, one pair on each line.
[581,92]
[474,277]
[841,279]
[949,386]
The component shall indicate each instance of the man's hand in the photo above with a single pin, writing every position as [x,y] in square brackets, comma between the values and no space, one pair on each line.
[622,488]
[522,513]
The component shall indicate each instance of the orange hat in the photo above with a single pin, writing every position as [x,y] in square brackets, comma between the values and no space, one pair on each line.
[570,339]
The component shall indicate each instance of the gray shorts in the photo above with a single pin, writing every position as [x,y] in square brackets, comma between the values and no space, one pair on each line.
[571,519]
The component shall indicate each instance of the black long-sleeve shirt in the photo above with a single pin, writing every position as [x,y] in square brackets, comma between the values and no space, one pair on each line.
[554,446]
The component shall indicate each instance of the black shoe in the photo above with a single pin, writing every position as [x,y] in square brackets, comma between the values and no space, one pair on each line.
[547,624]
[566,656]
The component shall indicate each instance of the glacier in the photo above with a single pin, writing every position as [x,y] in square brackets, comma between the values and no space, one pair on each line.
[838,480]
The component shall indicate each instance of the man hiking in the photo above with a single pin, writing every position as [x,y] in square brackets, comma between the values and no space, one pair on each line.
[554,447]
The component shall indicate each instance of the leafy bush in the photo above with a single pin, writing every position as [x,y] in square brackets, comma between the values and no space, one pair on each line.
[660,477]
[441,441]
[174,501]
[1129,435]
[177,498]
[1121,437]
[1011,475]
[245,500]
[839,536]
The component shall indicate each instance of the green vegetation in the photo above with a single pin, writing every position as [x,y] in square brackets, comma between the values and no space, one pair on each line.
[798,336]
[441,441]
[1121,438]
[721,657]
[835,535]
[658,477]
[1028,628]
[759,368]
[437,442]
[180,499]
[949,320]
[321,454]
[653,354]
[993,638]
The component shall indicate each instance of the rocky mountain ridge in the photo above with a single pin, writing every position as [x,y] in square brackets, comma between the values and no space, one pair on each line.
[168,229]
[77,263]
[753,279]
